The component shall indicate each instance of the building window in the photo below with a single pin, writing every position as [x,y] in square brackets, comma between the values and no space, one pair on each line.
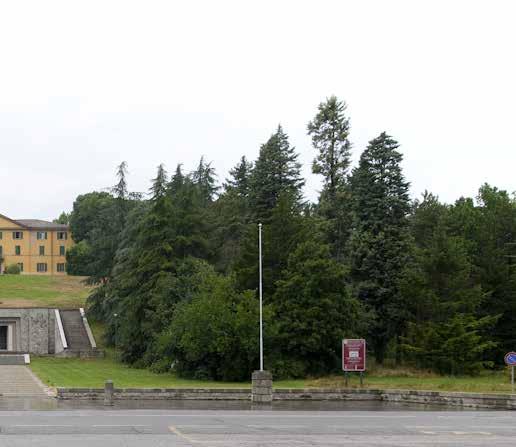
[17,250]
[40,235]
[1,251]
[62,235]
[62,250]
[1,235]
[20,264]
[17,234]
[61,267]
[42,250]
[41,267]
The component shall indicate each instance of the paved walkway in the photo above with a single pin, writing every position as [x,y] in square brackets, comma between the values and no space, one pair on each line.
[19,381]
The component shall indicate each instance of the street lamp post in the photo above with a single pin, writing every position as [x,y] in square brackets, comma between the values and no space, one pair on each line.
[262,380]
[116,324]
[261,294]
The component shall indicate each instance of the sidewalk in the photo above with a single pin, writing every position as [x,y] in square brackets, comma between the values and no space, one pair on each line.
[19,381]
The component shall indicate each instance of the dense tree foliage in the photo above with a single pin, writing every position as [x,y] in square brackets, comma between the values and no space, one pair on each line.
[380,244]
[176,271]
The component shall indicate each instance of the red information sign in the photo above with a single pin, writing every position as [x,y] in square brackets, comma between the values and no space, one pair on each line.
[354,354]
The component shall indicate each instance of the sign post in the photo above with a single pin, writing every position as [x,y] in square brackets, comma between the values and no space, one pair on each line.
[354,357]
[510,360]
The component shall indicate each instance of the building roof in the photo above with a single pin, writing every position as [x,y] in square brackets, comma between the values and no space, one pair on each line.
[36,224]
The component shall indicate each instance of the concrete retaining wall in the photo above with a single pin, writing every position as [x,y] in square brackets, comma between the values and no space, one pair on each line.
[465,400]
[34,329]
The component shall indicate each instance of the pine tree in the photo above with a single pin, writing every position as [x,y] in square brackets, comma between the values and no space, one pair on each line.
[159,184]
[120,189]
[239,181]
[282,232]
[380,243]
[330,137]
[276,172]
[314,311]
[489,226]
[204,178]
[232,214]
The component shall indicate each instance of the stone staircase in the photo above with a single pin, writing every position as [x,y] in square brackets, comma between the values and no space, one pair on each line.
[75,332]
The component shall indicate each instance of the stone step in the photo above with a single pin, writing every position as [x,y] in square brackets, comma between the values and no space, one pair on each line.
[12,359]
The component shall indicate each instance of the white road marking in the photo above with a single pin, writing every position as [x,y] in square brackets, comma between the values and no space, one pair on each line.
[127,425]
[276,426]
[181,435]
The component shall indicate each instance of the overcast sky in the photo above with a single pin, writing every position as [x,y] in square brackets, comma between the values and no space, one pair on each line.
[87,84]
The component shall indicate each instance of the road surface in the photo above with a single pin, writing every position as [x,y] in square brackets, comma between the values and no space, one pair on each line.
[243,428]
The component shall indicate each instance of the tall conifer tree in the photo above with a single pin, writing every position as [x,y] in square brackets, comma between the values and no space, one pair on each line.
[276,172]
[330,137]
[380,244]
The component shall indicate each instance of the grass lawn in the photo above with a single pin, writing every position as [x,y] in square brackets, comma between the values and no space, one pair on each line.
[42,291]
[487,382]
[93,373]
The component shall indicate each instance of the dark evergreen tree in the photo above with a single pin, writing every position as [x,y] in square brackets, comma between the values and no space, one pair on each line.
[444,296]
[276,172]
[205,179]
[239,181]
[489,225]
[284,230]
[380,244]
[330,137]
[232,214]
[314,311]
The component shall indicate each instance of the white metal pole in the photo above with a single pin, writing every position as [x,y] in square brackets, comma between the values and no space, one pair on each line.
[261,294]
[512,378]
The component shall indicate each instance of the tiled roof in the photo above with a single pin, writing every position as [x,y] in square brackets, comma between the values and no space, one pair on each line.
[37,224]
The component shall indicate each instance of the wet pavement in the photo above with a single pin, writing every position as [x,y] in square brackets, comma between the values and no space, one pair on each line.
[52,404]
[247,428]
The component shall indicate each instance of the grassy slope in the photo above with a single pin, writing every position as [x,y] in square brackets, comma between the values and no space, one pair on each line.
[42,291]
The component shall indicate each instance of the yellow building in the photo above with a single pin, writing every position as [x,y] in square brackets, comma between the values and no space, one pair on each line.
[37,246]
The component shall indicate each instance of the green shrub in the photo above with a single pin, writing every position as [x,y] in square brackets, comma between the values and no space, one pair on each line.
[214,335]
[13,269]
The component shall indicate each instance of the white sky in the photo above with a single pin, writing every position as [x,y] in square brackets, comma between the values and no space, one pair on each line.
[87,84]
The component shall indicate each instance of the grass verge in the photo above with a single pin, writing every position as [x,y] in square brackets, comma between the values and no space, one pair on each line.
[77,373]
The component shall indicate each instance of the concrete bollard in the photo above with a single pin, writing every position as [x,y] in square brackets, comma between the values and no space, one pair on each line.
[262,387]
[109,390]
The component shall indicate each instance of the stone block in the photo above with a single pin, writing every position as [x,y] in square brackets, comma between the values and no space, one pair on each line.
[262,375]
[262,398]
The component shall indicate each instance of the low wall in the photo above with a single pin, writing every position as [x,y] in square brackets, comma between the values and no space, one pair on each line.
[464,400]
[93,354]
[156,393]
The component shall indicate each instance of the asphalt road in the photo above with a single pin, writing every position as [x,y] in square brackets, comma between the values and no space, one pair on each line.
[197,428]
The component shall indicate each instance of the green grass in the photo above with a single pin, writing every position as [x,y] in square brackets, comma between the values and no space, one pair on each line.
[42,291]
[93,373]
[487,382]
